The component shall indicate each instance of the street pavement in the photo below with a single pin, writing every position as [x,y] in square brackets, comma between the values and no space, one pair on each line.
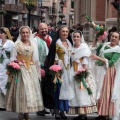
[13,116]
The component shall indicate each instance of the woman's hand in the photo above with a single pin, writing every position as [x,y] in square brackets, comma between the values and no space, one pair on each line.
[94,57]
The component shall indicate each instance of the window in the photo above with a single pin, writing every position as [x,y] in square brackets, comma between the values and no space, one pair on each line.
[10,1]
[72,3]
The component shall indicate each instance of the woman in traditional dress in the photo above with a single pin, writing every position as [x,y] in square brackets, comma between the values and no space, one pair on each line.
[60,52]
[82,103]
[6,45]
[107,76]
[25,96]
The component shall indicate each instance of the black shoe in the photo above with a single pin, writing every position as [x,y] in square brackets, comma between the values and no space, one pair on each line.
[101,118]
[46,112]
[57,114]
[57,117]
[52,112]
[80,117]
[76,118]
[40,113]
[62,114]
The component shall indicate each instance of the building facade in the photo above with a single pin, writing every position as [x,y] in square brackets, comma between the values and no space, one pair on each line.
[55,12]
[101,12]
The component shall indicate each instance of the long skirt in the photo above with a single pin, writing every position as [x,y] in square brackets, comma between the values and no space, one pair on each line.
[104,104]
[83,103]
[83,110]
[16,98]
[2,100]
[62,105]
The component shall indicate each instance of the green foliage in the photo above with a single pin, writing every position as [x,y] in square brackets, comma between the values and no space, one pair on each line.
[80,77]
[2,12]
[30,2]
[12,70]
[56,76]
[88,18]
[8,85]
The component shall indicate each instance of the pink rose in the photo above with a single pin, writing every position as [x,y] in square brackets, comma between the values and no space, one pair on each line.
[14,65]
[81,70]
[55,68]
[42,72]
[10,64]
[102,37]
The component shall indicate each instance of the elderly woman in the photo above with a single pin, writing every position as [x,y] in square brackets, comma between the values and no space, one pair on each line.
[60,51]
[6,45]
[25,96]
[82,103]
[107,74]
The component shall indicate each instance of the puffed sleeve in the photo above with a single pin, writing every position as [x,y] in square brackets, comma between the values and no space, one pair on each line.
[9,46]
[114,58]
[98,49]
[13,53]
[35,52]
[85,60]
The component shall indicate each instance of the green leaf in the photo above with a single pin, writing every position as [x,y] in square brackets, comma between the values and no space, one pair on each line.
[2,12]
[89,91]
[7,86]
[16,80]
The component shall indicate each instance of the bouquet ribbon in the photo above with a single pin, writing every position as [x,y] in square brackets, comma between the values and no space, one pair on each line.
[57,79]
[83,83]
[13,78]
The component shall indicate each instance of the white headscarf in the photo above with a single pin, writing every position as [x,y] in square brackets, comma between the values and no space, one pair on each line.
[32,41]
[31,37]
[82,37]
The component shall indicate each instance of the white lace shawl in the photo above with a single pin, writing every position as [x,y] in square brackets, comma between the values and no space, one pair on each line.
[82,51]
[66,50]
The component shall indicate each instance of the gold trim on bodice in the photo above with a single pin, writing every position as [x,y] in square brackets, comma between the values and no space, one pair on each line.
[60,52]
[75,64]
[26,59]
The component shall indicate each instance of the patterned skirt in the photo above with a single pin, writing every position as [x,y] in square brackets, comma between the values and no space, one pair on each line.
[105,106]
[16,98]
[83,110]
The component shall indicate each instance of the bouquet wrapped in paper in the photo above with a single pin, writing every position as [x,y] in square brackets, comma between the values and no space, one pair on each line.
[12,70]
[101,32]
[80,77]
[55,71]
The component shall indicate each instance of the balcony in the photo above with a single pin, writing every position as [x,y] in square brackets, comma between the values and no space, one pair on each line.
[13,8]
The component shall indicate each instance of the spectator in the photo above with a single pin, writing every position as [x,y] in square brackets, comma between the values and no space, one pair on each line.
[14,31]
[113,29]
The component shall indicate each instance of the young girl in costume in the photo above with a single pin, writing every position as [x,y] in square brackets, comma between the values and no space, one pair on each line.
[82,103]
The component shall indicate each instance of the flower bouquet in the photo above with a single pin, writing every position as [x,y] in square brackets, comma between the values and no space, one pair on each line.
[55,71]
[80,77]
[12,70]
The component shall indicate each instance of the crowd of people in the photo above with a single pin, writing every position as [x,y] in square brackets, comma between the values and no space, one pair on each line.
[32,88]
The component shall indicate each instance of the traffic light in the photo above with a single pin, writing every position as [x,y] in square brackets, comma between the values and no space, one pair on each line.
[116,4]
